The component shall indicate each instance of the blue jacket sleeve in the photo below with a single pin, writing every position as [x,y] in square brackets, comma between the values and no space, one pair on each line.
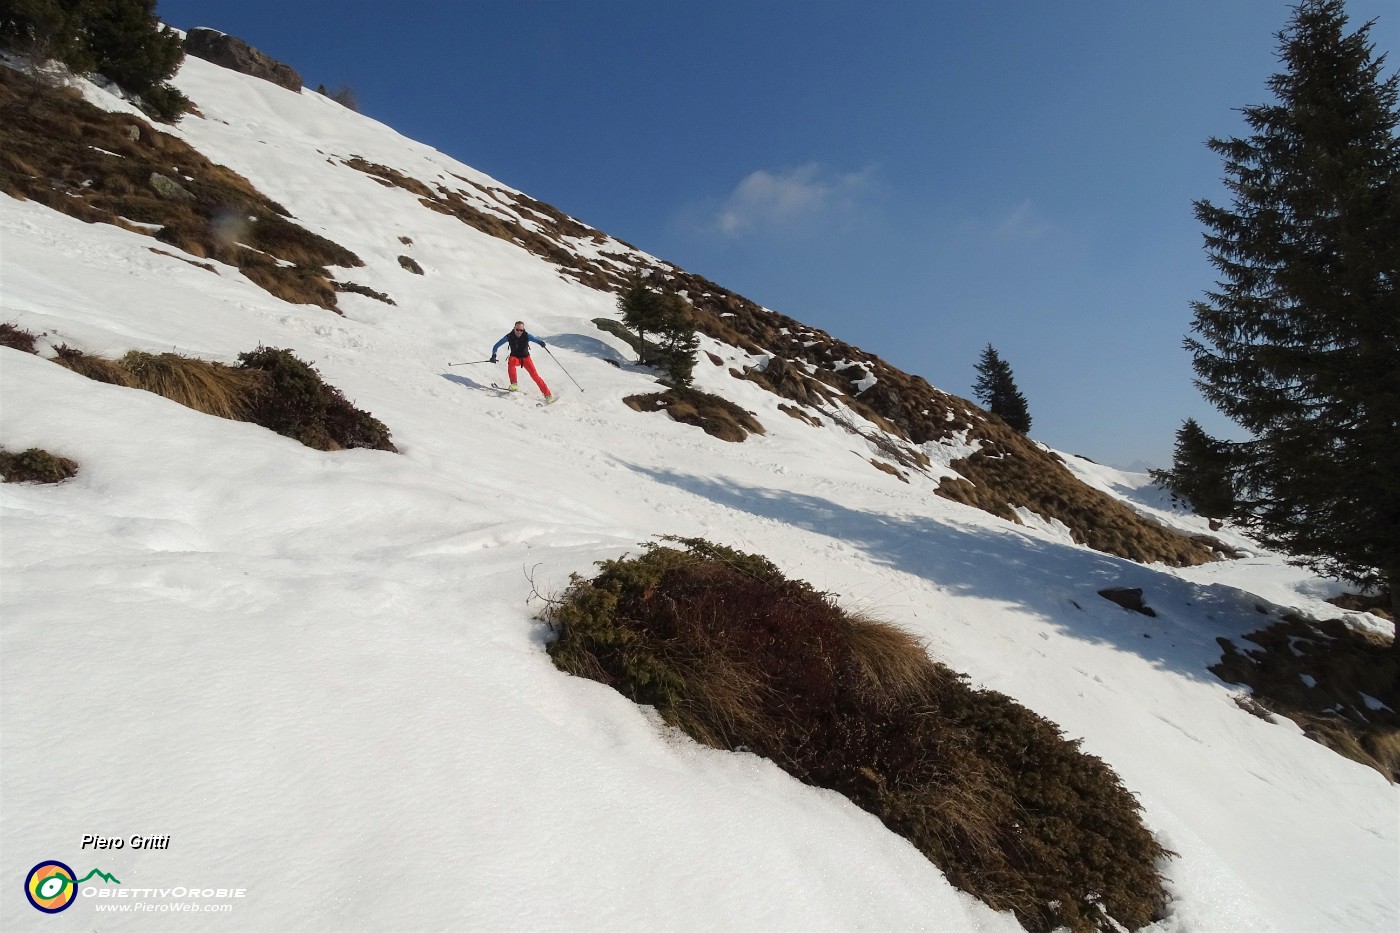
[534,339]
[498,344]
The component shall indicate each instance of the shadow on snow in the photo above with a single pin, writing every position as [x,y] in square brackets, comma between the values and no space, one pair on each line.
[1056,582]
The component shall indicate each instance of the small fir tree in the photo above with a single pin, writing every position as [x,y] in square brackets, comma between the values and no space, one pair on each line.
[996,389]
[1299,342]
[1201,471]
[641,309]
[679,342]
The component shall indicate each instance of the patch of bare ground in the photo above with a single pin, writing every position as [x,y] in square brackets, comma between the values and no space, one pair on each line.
[884,467]
[60,151]
[717,417]
[541,236]
[1340,685]
[35,465]
[1009,470]
[1378,604]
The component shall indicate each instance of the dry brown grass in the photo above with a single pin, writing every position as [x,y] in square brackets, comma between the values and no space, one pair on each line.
[269,387]
[894,662]
[800,415]
[1010,471]
[96,368]
[213,388]
[458,204]
[1378,604]
[1345,666]
[294,284]
[886,468]
[357,289]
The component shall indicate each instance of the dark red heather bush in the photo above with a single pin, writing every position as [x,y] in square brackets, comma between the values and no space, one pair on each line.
[737,656]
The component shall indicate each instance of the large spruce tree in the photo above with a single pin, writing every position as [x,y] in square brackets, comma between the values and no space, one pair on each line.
[996,389]
[1300,344]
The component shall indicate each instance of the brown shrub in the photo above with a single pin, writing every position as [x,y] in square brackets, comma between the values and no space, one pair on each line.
[35,466]
[296,402]
[16,338]
[729,651]
[269,387]
[357,289]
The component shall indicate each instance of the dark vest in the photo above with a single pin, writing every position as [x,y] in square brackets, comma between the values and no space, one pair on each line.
[519,344]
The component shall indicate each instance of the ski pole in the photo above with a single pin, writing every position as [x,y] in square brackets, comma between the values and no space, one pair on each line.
[474,362]
[561,366]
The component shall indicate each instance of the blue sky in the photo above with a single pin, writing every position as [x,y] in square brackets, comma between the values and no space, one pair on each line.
[919,178]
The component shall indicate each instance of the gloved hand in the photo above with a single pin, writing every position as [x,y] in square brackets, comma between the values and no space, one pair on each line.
[543,344]
[493,359]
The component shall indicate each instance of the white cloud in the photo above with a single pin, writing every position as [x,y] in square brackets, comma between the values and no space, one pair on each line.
[787,200]
[1022,225]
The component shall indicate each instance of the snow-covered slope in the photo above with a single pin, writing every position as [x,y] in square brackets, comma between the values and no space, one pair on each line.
[319,675]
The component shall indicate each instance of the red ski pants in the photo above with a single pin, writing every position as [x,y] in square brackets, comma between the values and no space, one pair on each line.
[529,365]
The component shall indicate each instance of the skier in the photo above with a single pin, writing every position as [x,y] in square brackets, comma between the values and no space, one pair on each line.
[520,341]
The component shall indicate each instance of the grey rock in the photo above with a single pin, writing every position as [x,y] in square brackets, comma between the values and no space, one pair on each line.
[169,188]
[237,55]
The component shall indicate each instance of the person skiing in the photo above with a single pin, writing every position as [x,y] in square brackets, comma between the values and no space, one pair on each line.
[520,340]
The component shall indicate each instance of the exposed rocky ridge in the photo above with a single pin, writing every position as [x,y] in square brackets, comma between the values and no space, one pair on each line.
[235,54]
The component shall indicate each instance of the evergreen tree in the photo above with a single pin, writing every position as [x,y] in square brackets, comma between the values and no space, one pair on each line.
[996,389]
[50,29]
[119,39]
[1201,471]
[1300,342]
[129,44]
[641,310]
[679,342]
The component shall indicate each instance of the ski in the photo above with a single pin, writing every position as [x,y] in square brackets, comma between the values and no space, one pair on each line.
[505,390]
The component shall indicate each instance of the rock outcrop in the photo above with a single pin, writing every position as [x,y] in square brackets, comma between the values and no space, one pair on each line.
[237,55]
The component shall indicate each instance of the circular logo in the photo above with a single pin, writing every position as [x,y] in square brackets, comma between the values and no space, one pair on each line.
[50,887]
